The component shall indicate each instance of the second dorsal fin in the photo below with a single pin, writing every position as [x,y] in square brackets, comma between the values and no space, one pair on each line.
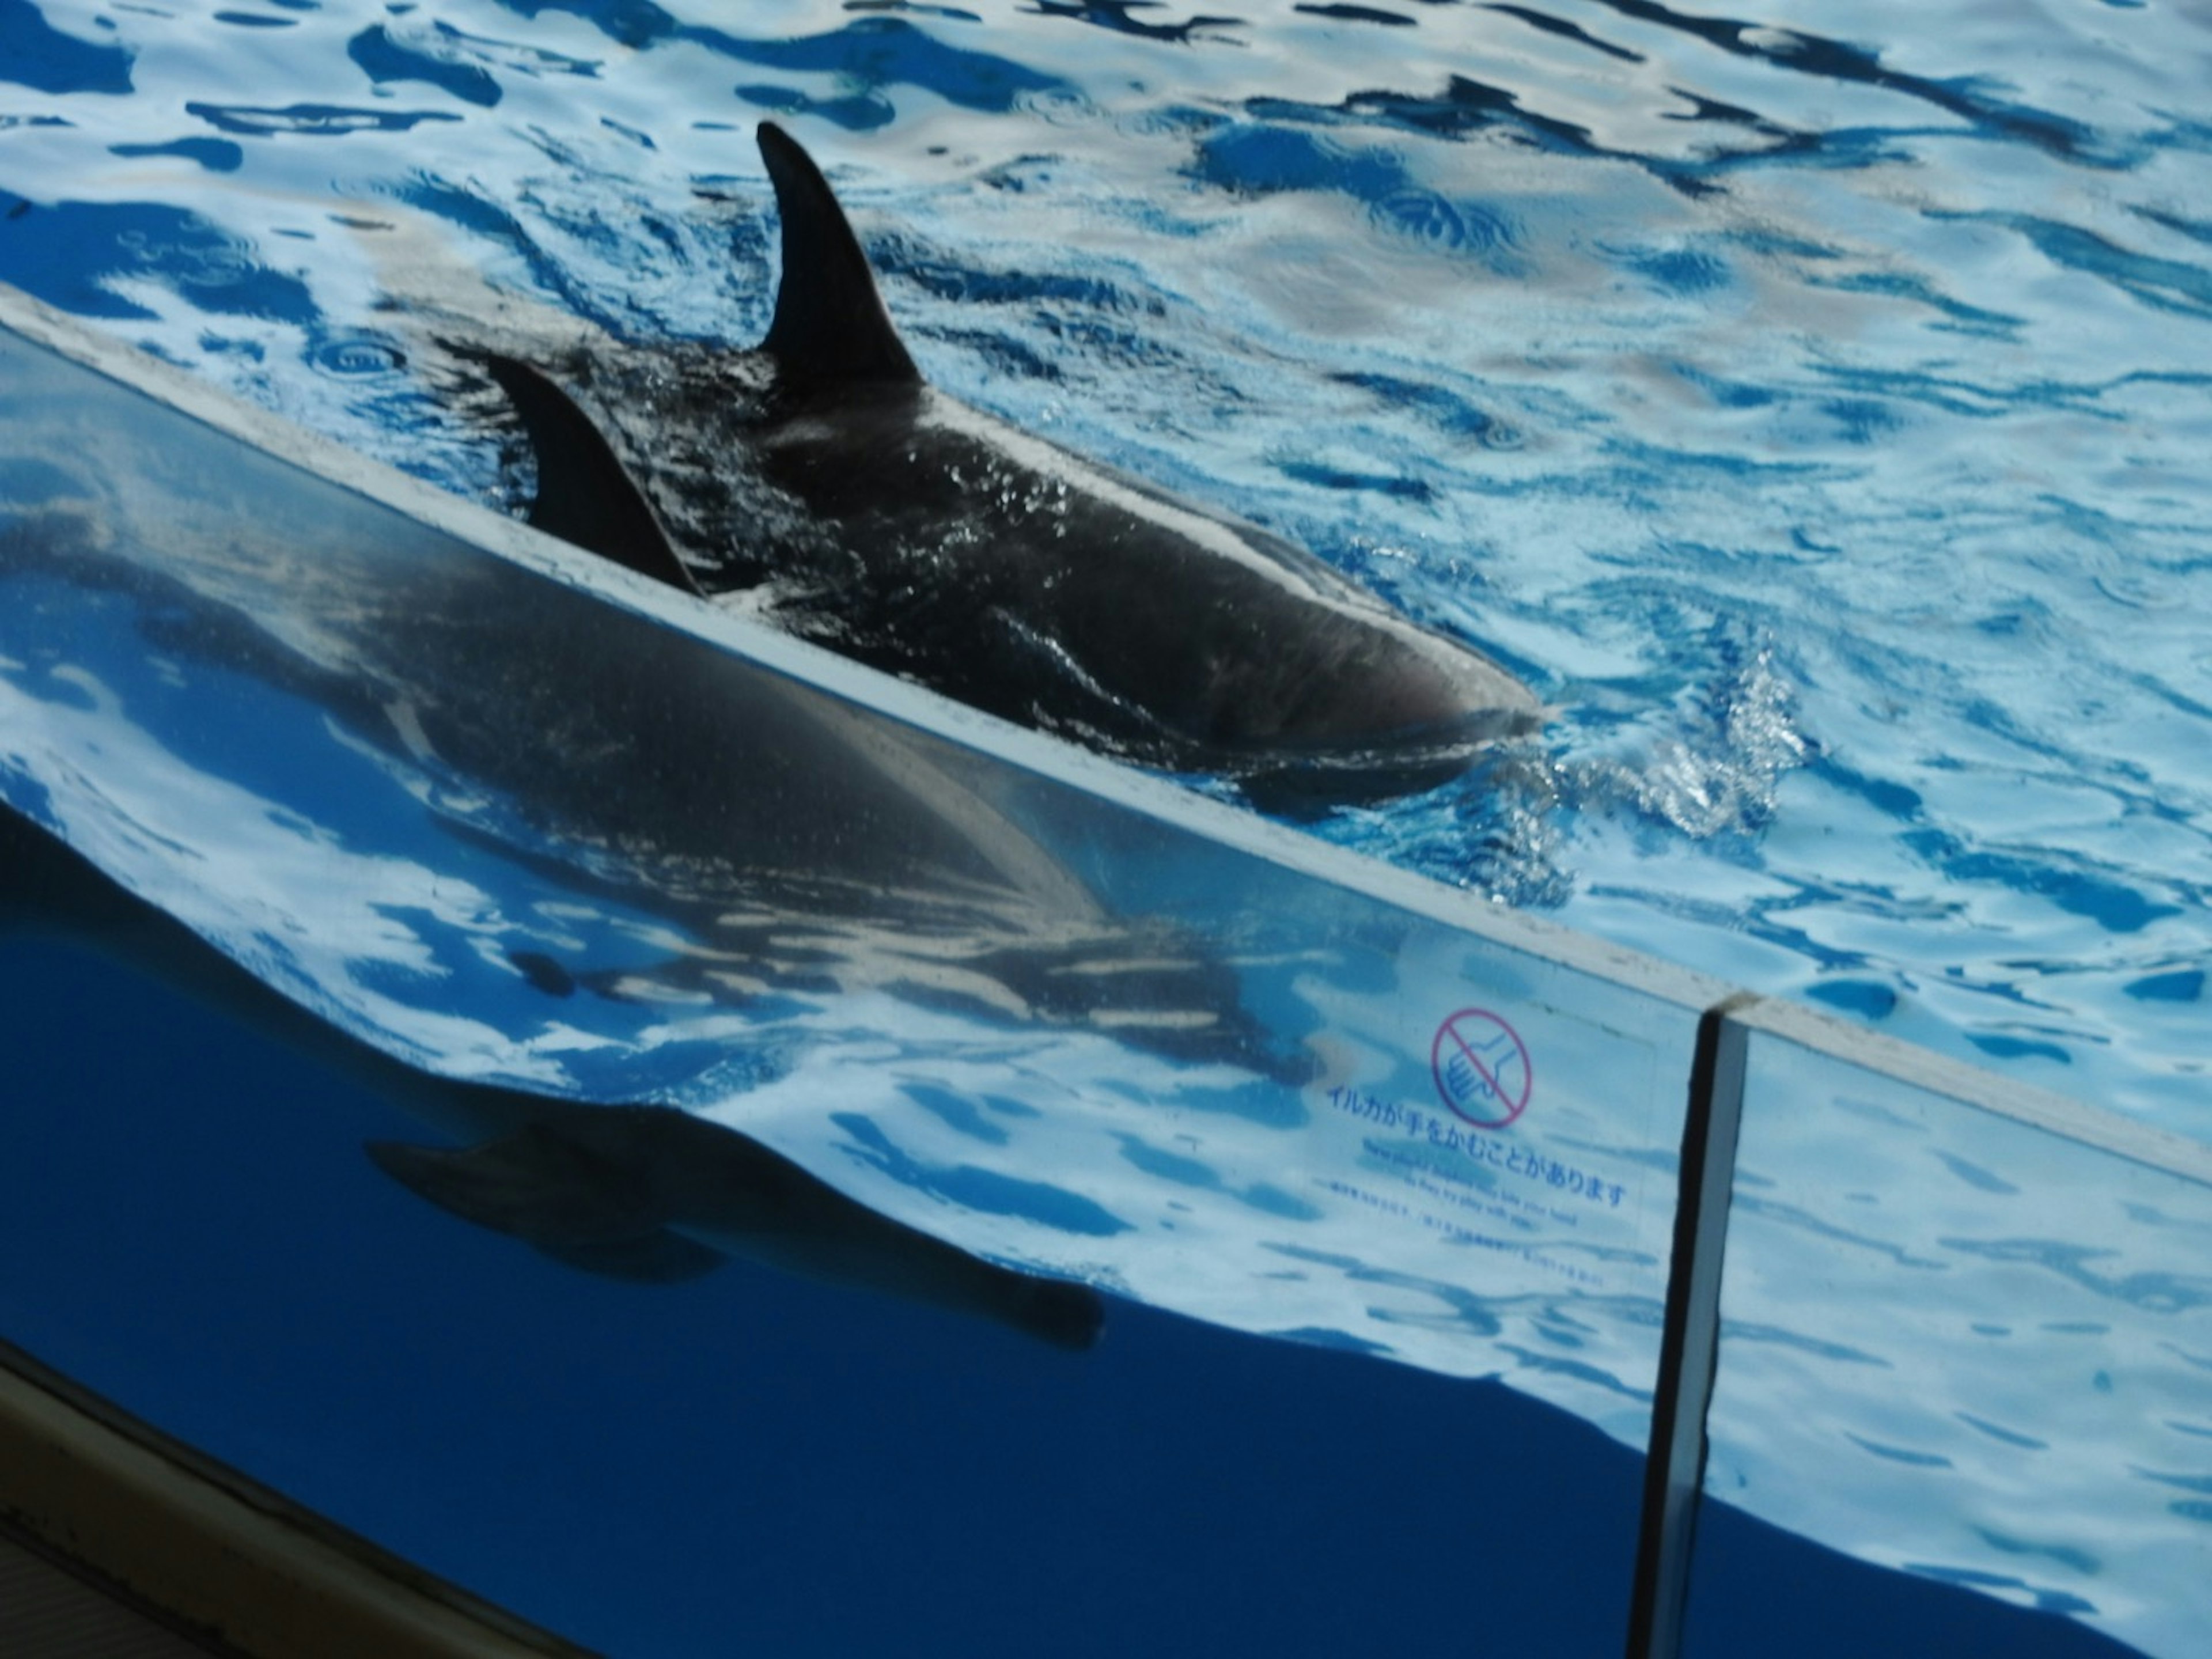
[584,497]
[830,324]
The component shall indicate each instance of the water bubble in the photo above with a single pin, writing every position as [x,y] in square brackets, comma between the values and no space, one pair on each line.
[1426,216]
[352,355]
[1056,105]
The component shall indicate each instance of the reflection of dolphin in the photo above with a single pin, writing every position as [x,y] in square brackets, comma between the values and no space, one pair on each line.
[866,511]
[801,848]
[638,1193]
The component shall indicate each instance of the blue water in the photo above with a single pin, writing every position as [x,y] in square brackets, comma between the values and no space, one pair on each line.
[1814,415]
[1812,409]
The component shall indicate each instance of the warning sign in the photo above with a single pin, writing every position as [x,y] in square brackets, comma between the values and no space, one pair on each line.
[1481,1068]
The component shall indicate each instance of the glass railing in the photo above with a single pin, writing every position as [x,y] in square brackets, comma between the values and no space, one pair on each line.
[550,835]
[1966,1330]
[520,819]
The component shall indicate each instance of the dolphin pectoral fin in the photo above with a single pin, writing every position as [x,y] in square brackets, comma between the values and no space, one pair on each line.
[584,497]
[830,324]
[553,1196]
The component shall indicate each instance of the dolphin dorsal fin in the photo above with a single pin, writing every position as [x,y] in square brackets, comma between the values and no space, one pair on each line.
[584,497]
[830,324]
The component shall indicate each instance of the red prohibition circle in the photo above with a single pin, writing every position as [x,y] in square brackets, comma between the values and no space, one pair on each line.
[1473,1068]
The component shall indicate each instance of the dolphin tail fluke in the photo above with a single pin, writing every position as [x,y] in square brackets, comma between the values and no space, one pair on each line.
[554,1197]
[584,497]
[830,324]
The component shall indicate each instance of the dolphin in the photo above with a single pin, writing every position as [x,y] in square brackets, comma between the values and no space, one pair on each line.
[645,1194]
[770,842]
[822,478]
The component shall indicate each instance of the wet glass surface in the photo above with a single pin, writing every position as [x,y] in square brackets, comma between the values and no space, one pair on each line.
[513,832]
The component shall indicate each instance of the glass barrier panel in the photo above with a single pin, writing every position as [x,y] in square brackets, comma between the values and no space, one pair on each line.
[541,830]
[1962,1338]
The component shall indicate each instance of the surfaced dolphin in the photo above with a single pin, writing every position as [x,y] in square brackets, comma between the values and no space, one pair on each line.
[820,477]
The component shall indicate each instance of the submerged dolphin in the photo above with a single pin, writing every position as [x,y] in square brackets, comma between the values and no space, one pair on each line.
[861,508]
[798,847]
[645,1194]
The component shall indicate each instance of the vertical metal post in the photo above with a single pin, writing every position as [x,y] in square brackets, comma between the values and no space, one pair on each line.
[1674,1473]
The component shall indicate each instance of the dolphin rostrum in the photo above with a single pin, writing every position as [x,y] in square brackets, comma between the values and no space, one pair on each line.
[859,507]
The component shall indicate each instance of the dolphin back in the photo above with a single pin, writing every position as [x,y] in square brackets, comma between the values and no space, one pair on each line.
[861,509]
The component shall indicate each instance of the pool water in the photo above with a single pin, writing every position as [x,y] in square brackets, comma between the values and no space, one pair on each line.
[1814,415]
[1811,407]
